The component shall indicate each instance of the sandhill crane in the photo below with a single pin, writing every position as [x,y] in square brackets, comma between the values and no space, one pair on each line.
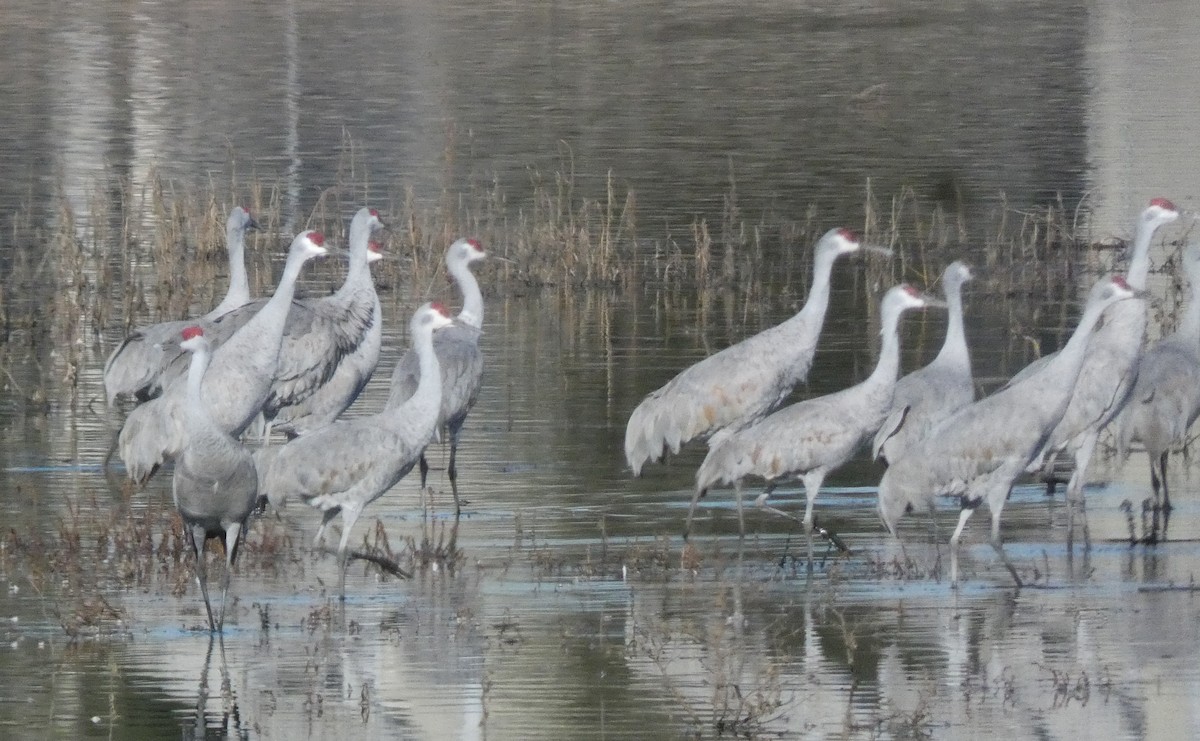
[1109,370]
[928,395]
[1166,398]
[457,349]
[298,406]
[135,367]
[236,385]
[319,335]
[978,451]
[342,468]
[742,383]
[813,437]
[214,484]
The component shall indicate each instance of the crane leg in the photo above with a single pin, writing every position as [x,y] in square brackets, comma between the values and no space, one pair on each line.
[687,528]
[737,495]
[1155,481]
[452,472]
[1162,497]
[812,484]
[350,514]
[196,536]
[1166,495]
[963,516]
[1083,457]
[232,535]
[327,518]
[424,464]
[999,546]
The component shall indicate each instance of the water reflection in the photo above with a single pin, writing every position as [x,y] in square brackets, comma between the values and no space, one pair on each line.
[225,718]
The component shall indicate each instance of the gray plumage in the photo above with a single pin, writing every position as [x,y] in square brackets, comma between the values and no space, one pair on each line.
[1166,398]
[813,437]
[928,395]
[742,383]
[459,358]
[1109,369]
[297,414]
[214,483]
[238,381]
[136,367]
[349,464]
[978,451]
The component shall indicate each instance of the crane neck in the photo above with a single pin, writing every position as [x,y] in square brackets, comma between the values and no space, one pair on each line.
[1070,359]
[1139,256]
[239,286]
[817,302]
[360,245]
[954,347]
[472,310]
[427,397]
[276,309]
[888,366]
[195,378]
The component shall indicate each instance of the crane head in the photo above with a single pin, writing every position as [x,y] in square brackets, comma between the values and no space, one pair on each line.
[374,251]
[430,317]
[465,251]
[955,274]
[376,220]
[1112,289]
[843,241]
[1160,211]
[240,220]
[309,244]
[901,298]
[193,339]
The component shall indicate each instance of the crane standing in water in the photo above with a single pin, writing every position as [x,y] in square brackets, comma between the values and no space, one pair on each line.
[742,383]
[461,362]
[930,394]
[214,483]
[306,396]
[980,450]
[1166,399]
[236,385]
[1109,370]
[342,468]
[813,437]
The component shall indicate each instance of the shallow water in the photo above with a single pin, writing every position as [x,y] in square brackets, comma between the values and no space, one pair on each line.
[573,610]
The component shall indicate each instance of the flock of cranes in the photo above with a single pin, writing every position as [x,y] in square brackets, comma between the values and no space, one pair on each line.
[935,438]
[297,364]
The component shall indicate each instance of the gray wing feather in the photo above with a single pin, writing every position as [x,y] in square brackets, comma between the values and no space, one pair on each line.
[731,389]
[368,457]
[152,434]
[1165,401]
[461,363]
[135,367]
[823,432]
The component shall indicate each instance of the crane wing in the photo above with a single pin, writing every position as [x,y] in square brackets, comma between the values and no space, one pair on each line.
[731,389]
[890,427]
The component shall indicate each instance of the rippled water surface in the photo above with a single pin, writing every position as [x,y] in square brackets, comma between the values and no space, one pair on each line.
[571,608]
